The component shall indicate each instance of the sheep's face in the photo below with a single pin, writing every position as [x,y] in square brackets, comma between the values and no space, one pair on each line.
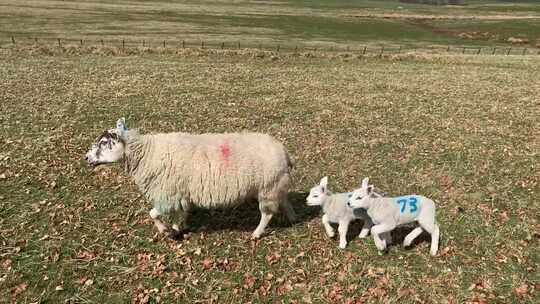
[109,147]
[360,197]
[318,194]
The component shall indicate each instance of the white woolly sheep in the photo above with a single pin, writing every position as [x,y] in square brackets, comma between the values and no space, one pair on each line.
[177,171]
[335,210]
[389,212]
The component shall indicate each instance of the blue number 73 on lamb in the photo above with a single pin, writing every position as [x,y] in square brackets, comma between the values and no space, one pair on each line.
[409,204]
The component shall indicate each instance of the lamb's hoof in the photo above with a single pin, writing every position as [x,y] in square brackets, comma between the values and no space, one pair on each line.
[342,246]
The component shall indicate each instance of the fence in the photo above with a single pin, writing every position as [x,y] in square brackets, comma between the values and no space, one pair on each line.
[378,50]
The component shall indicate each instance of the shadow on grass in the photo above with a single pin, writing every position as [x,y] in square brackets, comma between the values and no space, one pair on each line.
[246,217]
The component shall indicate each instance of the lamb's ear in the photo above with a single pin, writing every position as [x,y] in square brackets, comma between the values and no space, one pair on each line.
[370,189]
[121,126]
[324,182]
[365,182]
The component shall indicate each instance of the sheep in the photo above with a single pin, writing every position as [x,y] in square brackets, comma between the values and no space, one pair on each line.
[388,212]
[179,171]
[335,210]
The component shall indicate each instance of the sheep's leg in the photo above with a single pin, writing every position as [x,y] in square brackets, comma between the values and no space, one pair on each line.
[411,236]
[365,229]
[387,237]
[433,229]
[268,208]
[284,205]
[326,223]
[377,230]
[179,217]
[154,214]
[342,229]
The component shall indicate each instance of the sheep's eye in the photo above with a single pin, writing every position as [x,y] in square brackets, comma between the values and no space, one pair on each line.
[315,196]
[359,198]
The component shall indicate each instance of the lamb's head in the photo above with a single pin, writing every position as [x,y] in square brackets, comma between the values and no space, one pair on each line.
[361,197]
[318,194]
[109,147]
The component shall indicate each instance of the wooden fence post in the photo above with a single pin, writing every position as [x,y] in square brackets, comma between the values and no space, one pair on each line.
[183,44]
[222,45]
[448,49]
[463,52]
[238,44]
[36,40]
[123,44]
[479,50]
[12,39]
[163,43]
[277,48]
[202,44]
[82,42]
[59,43]
[509,50]
[524,51]
[382,51]
[364,51]
[494,49]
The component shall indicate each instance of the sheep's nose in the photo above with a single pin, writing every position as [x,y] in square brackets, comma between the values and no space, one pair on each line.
[86,157]
[349,204]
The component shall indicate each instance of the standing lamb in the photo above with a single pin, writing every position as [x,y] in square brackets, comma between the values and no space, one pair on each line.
[177,171]
[389,212]
[335,210]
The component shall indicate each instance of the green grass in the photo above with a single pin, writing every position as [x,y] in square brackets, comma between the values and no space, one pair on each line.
[320,23]
[460,129]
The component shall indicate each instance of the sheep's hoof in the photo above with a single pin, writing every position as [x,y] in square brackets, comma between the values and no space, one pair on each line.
[177,235]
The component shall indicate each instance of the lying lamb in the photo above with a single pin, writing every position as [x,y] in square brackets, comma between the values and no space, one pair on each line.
[389,212]
[177,171]
[335,210]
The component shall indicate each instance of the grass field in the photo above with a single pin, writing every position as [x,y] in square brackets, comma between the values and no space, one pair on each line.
[460,129]
[315,22]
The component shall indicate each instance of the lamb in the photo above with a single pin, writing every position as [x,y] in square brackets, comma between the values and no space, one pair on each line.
[335,210]
[388,212]
[177,171]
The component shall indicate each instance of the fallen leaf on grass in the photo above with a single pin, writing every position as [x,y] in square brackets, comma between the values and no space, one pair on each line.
[19,289]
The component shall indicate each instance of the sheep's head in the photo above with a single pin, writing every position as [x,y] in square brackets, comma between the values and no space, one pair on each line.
[109,147]
[318,194]
[360,197]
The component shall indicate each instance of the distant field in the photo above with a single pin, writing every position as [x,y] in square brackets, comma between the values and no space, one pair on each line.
[296,22]
[460,129]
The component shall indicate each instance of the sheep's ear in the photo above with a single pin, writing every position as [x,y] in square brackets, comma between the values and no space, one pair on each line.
[121,126]
[365,182]
[324,182]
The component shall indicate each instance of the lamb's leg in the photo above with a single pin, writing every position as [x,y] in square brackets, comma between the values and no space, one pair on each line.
[365,229]
[342,229]
[179,217]
[433,229]
[154,214]
[377,230]
[387,237]
[411,236]
[326,223]
[268,208]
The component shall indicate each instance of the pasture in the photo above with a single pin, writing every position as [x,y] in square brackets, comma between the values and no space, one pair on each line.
[460,129]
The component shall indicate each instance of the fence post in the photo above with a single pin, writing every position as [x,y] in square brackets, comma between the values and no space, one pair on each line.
[448,49]
[202,44]
[59,43]
[222,45]
[382,51]
[364,51]
[524,51]
[13,39]
[238,44]
[163,43]
[278,48]
[494,49]
[81,42]
[183,44]
[509,50]
[36,40]
[123,44]
[463,52]
[479,50]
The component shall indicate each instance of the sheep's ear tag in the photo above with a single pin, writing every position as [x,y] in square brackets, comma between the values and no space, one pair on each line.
[121,126]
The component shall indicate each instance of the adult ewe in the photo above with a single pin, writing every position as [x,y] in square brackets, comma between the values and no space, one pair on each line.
[177,171]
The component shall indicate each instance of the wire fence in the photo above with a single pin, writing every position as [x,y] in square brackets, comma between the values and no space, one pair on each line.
[378,50]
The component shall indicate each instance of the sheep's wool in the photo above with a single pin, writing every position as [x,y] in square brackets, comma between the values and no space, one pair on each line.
[208,170]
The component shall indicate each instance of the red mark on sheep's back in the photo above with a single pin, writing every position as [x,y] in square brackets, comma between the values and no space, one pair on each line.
[225,152]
